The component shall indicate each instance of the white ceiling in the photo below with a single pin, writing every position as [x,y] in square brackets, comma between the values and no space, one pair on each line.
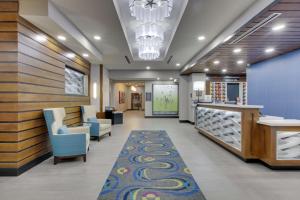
[201,17]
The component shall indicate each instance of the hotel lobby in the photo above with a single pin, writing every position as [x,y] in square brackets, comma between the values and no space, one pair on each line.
[149,99]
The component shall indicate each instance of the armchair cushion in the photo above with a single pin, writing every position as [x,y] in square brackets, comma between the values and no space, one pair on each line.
[63,130]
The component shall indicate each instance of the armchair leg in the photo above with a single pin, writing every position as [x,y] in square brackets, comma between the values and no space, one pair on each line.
[55,160]
[98,138]
[84,158]
[109,133]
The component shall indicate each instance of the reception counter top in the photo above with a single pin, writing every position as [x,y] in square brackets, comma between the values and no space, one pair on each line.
[281,122]
[230,105]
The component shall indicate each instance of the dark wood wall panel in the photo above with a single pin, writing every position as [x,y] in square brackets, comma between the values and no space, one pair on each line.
[31,79]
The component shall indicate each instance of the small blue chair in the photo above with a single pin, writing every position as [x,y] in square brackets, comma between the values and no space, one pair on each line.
[66,142]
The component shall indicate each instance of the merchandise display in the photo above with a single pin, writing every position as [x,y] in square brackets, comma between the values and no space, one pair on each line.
[218,90]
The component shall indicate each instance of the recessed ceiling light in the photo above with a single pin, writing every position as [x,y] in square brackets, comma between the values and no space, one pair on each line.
[228,38]
[206,69]
[278,27]
[158,78]
[177,64]
[85,55]
[237,50]
[40,38]
[148,67]
[224,70]
[201,38]
[270,50]
[97,37]
[216,62]
[240,62]
[61,38]
[70,55]
[171,78]
[175,80]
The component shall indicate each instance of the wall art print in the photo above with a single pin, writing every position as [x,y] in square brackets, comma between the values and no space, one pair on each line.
[122,97]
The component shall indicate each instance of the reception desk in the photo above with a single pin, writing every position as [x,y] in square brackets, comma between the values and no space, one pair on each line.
[279,142]
[240,129]
[231,126]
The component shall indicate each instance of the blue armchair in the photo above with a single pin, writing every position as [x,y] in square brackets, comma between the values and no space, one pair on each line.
[98,127]
[66,142]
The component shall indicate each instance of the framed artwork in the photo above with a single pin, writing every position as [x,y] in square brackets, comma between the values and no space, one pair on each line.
[122,97]
[165,100]
[76,83]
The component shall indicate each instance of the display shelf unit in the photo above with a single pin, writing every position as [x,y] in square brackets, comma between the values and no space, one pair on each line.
[218,91]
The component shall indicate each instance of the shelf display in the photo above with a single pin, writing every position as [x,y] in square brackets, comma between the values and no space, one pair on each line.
[224,125]
[288,145]
[218,90]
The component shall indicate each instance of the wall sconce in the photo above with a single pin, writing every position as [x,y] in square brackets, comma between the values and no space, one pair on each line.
[95,90]
[133,88]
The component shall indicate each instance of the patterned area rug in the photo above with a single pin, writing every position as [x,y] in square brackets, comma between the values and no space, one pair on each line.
[150,168]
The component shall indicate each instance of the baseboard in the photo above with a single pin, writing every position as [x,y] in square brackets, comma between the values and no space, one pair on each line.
[24,168]
[161,116]
[186,121]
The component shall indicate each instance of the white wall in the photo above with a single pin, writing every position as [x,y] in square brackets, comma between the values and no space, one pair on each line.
[142,75]
[106,88]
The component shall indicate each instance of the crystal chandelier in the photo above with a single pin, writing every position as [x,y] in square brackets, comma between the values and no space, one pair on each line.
[150,10]
[149,35]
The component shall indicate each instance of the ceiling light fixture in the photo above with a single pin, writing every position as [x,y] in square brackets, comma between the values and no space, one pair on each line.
[216,62]
[206,69]
[158,78]
[40,38]
[148,67]
[278,27]
[70,55]
[240,62]
[149,34]
[224,70]
[237,50]
[171,78]
[270,50]
[85,55]
[177,64]
[61,38]
[175,80]
[201,38]
[97,37]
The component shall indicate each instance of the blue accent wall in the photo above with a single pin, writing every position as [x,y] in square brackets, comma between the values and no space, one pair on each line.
[275,84]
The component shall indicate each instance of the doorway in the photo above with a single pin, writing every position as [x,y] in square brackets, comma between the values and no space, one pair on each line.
[136,101]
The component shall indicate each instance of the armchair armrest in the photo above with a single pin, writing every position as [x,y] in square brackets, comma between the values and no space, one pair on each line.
[69,144]
[104,121]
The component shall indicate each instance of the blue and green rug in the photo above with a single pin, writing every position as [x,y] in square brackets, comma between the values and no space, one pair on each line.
[150,168]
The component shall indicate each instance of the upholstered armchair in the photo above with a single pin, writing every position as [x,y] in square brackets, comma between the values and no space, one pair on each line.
[98,127]
[66,142]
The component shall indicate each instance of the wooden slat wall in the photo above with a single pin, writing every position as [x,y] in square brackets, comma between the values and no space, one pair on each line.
[31,78]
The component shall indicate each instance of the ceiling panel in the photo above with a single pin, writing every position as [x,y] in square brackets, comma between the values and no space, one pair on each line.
[254,46]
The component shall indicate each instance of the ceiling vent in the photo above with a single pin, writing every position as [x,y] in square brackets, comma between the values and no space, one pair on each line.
[127,60]
[169,60]
[256,27]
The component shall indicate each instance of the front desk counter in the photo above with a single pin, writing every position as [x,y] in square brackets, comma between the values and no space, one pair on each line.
[231,126]
[279,142]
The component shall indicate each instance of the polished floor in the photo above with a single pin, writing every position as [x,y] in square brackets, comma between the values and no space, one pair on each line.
[219,174]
